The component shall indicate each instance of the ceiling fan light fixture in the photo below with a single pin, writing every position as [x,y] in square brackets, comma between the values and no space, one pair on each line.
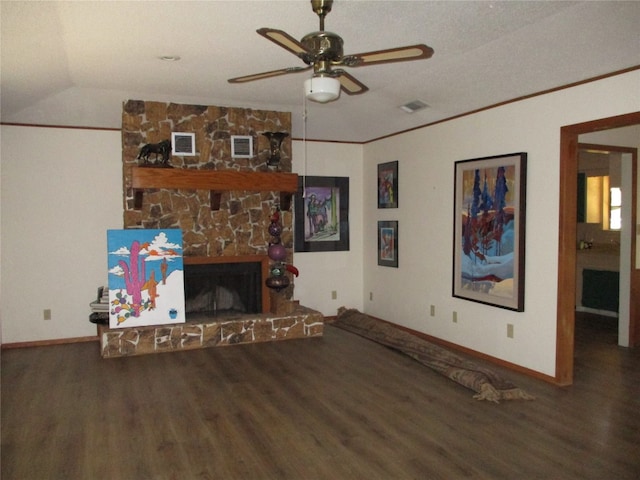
[322,89]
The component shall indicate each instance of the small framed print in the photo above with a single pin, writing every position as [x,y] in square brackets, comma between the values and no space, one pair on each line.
[388,243]
[388,185]
[241,146]
[183,144]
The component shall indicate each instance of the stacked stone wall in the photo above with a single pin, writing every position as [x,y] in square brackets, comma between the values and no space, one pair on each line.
[240,225]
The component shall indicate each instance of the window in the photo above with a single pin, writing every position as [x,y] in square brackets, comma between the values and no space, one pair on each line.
[615,205]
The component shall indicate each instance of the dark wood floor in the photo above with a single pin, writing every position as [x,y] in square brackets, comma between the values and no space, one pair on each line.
[337,407]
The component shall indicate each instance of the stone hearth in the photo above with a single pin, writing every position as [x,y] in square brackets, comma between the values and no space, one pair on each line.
[300,322]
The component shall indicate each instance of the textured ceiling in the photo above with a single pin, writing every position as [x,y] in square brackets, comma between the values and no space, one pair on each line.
[73,63]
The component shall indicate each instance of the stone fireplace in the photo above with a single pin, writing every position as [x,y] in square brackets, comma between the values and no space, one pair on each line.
[223,206]
[238,226]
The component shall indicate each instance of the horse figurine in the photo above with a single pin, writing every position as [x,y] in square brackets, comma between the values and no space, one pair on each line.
[163,149]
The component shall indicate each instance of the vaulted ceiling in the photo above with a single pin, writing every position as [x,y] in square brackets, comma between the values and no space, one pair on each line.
[74,63]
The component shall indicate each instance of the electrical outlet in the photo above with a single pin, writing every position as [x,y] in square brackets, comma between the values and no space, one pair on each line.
[371,296]
[510,330]
[46,314]
[455,317]
[433,310]
[334,294]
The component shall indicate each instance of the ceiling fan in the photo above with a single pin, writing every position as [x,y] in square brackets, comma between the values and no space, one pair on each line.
[322,51]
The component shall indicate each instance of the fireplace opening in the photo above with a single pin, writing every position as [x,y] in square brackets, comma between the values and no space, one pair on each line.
[219,289]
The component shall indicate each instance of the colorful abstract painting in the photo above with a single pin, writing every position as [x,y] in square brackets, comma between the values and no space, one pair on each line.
[146,277]
[489,230]
[388,243]
[388,185]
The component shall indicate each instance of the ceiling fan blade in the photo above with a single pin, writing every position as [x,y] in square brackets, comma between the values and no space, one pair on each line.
[285,40]
[349,84]
[400,54]
[272,73]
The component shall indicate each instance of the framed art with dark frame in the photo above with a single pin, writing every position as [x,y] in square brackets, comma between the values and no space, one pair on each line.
[388,185]
[489,230]
[388,243]
[322,214]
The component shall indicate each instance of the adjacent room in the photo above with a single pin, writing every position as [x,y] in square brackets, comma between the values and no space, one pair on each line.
[417,261]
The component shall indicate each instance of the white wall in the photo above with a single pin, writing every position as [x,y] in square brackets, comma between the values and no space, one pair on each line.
[61,191]
[426,172]
[323,272]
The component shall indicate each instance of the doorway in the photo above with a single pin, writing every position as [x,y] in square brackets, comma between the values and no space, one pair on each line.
[567,256]
[603,256]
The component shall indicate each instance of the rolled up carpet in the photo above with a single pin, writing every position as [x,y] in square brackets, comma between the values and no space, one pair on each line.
[487,384]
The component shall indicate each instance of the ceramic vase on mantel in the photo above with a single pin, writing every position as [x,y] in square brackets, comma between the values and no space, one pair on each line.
[275,143]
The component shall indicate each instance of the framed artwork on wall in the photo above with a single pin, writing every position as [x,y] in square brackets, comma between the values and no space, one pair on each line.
[241,146]
[489,230]
[388,243]
[183,144]
[388,185]
[322,214]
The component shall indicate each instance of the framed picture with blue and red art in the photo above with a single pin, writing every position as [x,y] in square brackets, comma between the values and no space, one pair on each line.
[388,243]
[489,230]
[388,185]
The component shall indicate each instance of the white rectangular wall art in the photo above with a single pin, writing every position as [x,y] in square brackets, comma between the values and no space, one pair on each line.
[183,144]
[241,146]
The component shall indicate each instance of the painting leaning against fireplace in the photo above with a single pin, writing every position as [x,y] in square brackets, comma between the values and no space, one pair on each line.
[146,277]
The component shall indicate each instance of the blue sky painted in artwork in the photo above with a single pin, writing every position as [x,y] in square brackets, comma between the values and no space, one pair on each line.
[157,245]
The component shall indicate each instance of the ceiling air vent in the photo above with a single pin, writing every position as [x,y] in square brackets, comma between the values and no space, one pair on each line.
[183,144]
[413,106]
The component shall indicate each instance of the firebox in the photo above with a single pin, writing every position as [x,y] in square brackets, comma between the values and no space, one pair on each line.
[223,286]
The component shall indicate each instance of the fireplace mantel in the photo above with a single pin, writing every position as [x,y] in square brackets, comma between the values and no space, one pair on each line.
[216,181]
